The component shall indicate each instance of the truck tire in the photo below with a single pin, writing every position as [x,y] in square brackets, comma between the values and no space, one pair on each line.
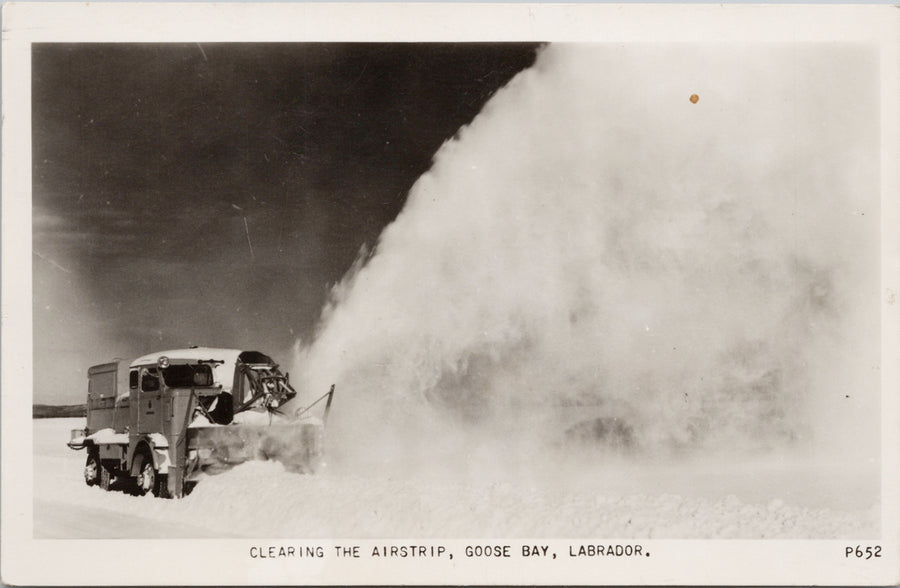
[105,478]
[92,468]
[161,490]
[147,478]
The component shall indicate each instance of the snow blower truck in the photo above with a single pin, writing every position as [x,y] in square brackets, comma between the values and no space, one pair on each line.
[169,418]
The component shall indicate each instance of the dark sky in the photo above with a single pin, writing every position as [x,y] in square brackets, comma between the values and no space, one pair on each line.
[211,194]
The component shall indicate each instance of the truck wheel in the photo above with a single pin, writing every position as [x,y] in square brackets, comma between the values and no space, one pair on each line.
[161,489]
[105,478]
[92,468]
[146,478]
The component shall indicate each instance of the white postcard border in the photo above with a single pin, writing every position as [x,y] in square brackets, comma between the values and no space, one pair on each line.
[61,562]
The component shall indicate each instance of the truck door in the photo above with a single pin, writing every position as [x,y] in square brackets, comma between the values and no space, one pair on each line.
[134,399]
[150,403]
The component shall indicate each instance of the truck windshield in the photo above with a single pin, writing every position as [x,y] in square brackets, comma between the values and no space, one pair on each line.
[187,375]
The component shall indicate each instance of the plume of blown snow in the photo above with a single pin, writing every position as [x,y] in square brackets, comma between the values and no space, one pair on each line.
[595,244]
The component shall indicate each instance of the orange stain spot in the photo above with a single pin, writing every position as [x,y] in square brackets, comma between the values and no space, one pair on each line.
[694,98]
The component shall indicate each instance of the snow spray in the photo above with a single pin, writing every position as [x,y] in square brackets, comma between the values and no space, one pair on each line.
[669,248]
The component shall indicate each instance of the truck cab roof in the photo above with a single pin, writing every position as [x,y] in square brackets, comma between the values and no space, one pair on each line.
[193,354]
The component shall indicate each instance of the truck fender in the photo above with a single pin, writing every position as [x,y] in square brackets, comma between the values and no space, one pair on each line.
[160,456]
[161,460]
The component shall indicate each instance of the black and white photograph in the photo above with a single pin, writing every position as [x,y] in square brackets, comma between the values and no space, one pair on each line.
[510,309]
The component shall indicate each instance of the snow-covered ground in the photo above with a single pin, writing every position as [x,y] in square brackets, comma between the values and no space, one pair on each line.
[784,497]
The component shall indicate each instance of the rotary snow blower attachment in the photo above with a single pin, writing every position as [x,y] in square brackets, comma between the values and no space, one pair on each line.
[168,418]
[268,387]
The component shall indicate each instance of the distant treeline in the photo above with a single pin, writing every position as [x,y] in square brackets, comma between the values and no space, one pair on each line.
[50,411]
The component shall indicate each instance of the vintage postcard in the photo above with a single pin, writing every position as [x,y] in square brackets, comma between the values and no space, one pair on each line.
[449,294]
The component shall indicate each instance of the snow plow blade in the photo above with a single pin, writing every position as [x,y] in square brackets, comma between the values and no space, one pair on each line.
[299,446]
